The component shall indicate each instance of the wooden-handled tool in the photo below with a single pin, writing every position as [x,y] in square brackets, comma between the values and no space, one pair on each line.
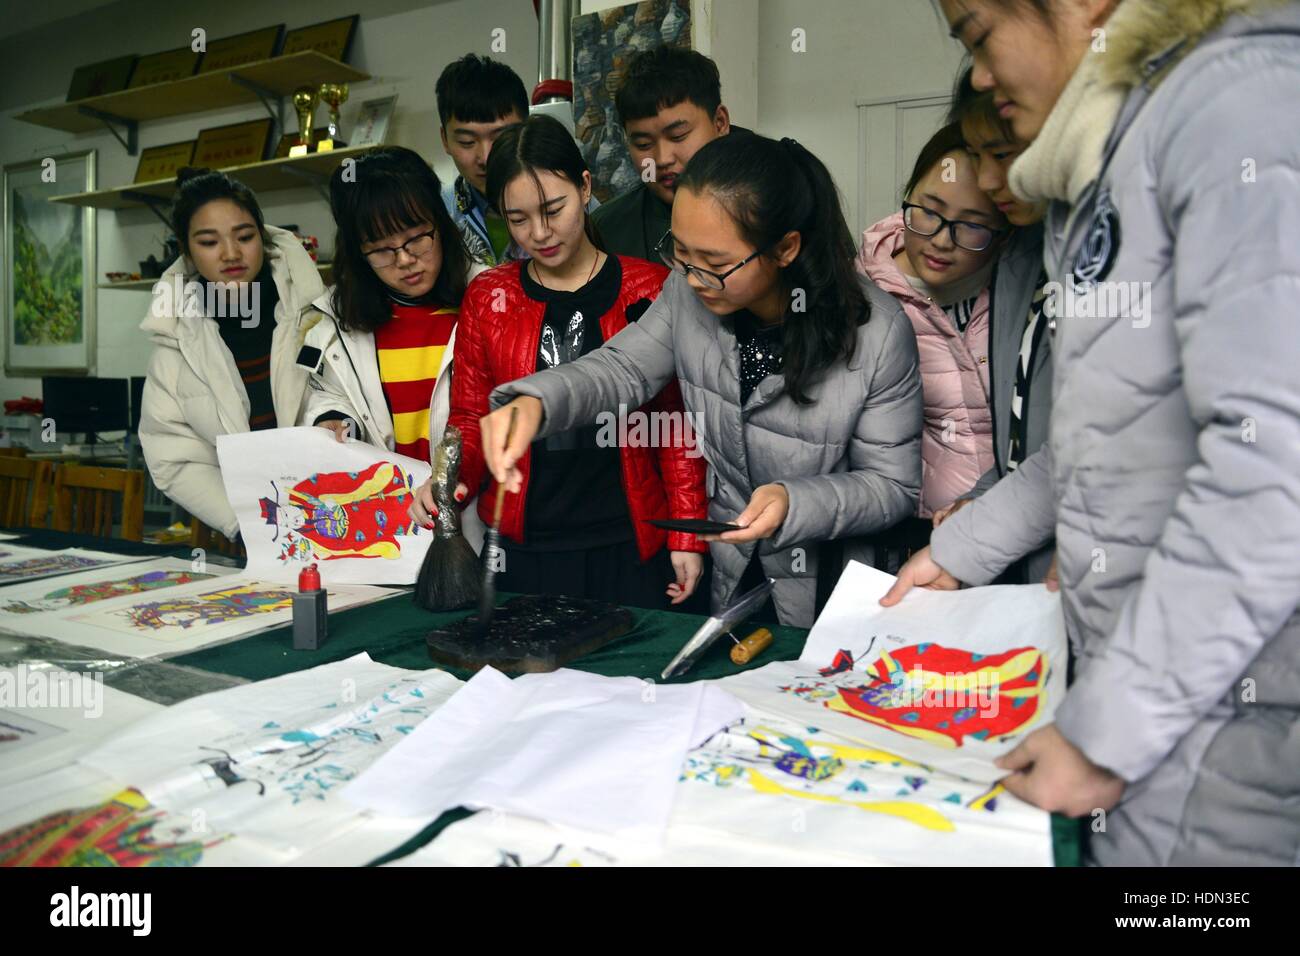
[492,545]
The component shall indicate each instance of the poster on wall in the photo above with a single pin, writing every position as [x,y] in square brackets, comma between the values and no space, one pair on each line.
[49,267]
[604,43]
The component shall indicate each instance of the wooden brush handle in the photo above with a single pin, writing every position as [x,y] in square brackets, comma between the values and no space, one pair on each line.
[501,488]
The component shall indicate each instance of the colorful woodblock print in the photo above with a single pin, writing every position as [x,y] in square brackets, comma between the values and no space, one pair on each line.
[777,761]
[343,514]
[222,606]
[122,831]
[80,594]
[934,693]
[48,565]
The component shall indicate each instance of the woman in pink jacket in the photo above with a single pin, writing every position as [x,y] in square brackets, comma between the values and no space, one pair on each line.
[936,257]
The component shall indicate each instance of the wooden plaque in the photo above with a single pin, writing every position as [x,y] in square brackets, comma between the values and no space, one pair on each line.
[165,67]
[245,48]
[235,145]
[333,38]
[96,79]
[163,162]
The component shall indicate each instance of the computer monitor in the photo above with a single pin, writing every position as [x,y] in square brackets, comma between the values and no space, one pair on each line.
[86,405]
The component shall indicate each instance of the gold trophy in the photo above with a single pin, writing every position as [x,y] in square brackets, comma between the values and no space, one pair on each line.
[332,95]
[305,99]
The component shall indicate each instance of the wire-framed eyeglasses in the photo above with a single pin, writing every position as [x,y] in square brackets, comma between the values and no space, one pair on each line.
[717,281]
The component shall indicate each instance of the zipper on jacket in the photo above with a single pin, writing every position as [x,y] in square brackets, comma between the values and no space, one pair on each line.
[998,452]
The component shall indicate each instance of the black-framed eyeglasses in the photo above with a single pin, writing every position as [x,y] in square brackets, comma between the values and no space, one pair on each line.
[717,281]
[971,236]
[416,247]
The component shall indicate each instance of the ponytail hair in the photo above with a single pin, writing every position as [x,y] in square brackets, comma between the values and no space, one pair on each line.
[770,188]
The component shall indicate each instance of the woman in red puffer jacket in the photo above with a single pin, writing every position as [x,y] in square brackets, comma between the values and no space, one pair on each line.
[580,525]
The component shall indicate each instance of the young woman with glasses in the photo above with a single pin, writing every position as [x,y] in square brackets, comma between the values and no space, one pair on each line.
[936,257]
[381,361]
[801,376]
[580,522]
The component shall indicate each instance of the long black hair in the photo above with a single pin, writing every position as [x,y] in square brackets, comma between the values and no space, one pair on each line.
[389,189]
[196,186]
[770,188]
[539,143]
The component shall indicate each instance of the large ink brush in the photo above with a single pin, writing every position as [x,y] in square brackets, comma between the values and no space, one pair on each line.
[492,545]
[449,577]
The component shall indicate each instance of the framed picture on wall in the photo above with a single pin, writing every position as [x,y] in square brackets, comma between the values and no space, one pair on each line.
[49,267]
[333,38]
[604,44]
[371,126]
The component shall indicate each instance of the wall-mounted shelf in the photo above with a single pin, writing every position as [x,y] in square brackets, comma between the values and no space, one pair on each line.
[314,169]
[265,80]
[326,270]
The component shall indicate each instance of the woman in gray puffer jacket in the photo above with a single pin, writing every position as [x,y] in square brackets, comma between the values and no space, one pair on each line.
[1165,135]
[800,379]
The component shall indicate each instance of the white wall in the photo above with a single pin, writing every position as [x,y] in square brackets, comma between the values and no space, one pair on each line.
[856,50]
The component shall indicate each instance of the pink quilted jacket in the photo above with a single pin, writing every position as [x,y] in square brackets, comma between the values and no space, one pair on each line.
[957,444]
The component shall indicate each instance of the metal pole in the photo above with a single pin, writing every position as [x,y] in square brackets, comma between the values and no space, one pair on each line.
[554,45]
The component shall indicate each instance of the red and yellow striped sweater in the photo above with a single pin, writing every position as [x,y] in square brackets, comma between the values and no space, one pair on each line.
[410,347]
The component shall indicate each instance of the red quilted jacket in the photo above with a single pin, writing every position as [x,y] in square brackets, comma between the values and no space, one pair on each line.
[497,340]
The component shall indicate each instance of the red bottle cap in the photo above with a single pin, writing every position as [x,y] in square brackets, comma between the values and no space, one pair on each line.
[309,579]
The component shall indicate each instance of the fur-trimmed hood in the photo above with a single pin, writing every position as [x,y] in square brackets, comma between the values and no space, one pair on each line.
[1144,41]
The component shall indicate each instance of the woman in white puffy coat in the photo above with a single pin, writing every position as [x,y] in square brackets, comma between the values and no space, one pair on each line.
[227,323]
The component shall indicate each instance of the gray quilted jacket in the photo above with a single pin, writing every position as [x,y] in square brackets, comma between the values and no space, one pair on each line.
[1172,473]
[1014,285]
[851,461]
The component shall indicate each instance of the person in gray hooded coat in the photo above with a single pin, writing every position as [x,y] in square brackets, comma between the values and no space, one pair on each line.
[1172,473]
[801,380]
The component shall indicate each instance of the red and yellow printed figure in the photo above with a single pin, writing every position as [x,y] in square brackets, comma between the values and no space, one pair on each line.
[935,693]
[344,514]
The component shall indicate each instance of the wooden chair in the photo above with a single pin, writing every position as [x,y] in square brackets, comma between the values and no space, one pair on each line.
[20,478]
[84,496]
[201,536]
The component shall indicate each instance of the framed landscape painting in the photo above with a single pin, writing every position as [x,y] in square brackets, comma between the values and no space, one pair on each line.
[49,267]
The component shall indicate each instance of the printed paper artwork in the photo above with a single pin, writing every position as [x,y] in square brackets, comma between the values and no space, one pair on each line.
[337,515]
[158,621]
[122,831]
[260,767]
[937,694]
[302,497]
[770,791]
[952,679]
[26,564]
[79,590]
